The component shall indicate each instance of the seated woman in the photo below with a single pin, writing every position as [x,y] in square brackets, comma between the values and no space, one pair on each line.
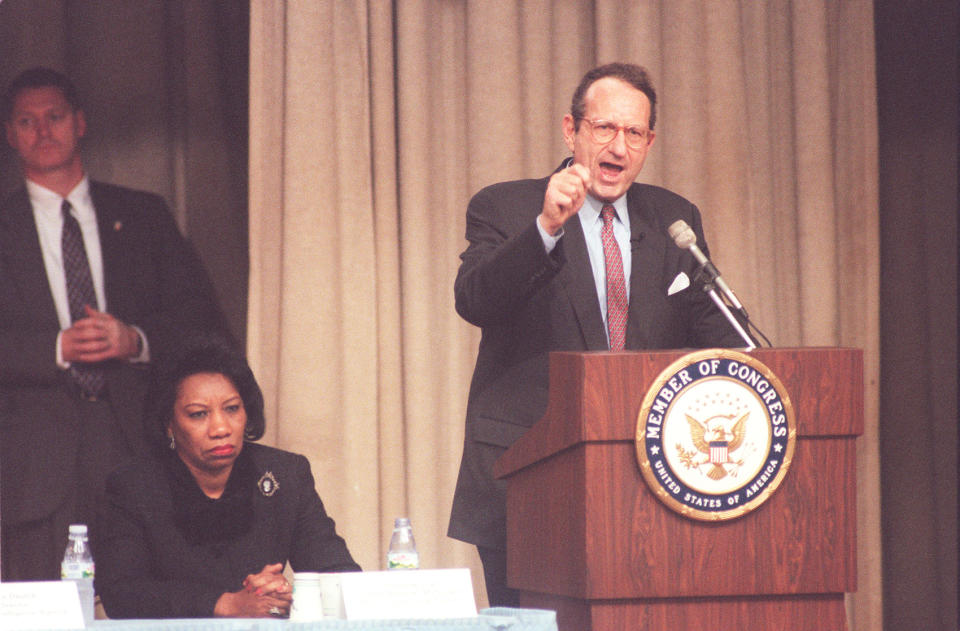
[207,530]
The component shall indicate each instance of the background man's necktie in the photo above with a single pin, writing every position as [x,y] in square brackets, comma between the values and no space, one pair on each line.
[80,292]
[616,286]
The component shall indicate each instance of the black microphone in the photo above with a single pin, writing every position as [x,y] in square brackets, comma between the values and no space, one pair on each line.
[686,239]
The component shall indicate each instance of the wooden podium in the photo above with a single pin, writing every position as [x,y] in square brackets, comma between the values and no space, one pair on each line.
[587,537]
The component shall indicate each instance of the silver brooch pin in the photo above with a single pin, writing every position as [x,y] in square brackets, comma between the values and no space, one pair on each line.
[268,484]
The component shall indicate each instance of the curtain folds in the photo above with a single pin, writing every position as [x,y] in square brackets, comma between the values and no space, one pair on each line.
[372,124]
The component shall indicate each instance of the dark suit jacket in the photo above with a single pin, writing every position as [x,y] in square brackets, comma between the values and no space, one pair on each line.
[153,279]
[147,568]
[529,303]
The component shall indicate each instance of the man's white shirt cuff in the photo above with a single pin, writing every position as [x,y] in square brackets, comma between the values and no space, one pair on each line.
[549,240]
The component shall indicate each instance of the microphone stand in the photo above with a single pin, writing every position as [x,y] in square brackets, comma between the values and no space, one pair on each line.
[711,289]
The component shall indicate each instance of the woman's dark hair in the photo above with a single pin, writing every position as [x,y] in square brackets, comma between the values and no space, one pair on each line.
[203,354]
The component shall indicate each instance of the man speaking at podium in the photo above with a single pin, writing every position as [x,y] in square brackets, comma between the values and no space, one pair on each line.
[578,261]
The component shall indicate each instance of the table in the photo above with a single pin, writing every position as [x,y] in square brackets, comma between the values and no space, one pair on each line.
[492,619]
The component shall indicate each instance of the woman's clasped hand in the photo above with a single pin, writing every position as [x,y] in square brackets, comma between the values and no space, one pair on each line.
[267,593]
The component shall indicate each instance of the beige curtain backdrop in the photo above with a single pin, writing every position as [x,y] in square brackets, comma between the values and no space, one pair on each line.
[372,124]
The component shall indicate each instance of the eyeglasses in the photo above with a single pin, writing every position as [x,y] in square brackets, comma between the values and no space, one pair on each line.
[605,131]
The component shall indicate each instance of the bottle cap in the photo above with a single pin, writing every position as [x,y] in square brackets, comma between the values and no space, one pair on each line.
[401,522]
[78,529]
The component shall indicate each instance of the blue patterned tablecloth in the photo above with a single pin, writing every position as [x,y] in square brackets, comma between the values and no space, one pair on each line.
[494,619]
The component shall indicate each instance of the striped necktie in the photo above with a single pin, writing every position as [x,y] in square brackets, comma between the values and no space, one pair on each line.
[76,269]
[616,286]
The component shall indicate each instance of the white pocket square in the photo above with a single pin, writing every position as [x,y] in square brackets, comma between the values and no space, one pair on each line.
[681,282]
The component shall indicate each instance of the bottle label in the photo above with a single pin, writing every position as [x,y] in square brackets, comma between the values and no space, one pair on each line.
[403,561]
[75,569]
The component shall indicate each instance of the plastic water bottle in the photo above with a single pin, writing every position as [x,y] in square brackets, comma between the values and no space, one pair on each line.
[77,566]
[402,554]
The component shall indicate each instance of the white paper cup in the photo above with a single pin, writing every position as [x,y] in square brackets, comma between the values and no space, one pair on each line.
[332,597]
[307,597]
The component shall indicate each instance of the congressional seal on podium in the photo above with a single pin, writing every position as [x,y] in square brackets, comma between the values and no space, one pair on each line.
[715,434]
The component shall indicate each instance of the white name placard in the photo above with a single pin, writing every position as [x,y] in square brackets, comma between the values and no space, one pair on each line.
[40,605]
[408,594]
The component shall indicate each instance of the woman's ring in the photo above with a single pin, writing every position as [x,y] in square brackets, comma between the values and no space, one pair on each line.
[275,611]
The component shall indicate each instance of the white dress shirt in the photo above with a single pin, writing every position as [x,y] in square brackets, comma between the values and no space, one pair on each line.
[49,218]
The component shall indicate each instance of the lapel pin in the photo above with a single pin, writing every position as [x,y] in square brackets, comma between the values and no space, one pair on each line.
[117,225]
[268,484]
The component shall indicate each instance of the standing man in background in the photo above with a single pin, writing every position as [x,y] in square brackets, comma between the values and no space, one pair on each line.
[95,282]
[578,261]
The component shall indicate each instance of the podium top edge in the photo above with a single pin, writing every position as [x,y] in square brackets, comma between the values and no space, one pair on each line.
[685,351]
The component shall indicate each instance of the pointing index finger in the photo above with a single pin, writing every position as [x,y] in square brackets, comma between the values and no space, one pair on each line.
[581,172]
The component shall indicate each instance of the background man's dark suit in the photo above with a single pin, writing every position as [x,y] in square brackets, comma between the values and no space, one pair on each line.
[529,303]
[152,279]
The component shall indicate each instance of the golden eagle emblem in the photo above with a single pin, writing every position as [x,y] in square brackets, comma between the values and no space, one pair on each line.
[716,440]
